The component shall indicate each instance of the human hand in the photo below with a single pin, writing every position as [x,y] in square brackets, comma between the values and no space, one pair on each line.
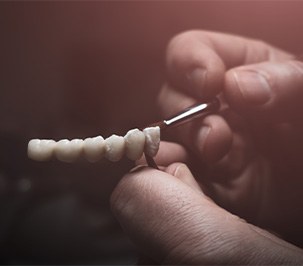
[248,157]
[172,221]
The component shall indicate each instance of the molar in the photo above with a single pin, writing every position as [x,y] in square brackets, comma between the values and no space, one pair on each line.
[41,150]
[114,148]
[68,151]
[94,148]
[134,144]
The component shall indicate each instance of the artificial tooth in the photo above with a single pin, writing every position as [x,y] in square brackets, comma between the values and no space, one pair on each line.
[114,148]
[77,147]
[134,144]
[152,140]
[41,150]
[94,148]
[68,151]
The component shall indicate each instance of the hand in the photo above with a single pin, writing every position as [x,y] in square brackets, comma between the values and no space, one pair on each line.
[172,221]
[247,158]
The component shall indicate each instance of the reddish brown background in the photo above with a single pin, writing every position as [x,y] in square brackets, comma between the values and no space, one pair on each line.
[72,69]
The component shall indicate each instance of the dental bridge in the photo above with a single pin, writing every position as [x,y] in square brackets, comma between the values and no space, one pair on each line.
[132,145]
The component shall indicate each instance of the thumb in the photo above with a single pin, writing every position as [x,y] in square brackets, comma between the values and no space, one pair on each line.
[268,90]
[173,222]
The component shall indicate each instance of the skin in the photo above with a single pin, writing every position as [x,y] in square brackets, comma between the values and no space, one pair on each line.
[241,200]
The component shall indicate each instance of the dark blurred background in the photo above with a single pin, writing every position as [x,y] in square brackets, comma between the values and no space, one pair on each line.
[77,69]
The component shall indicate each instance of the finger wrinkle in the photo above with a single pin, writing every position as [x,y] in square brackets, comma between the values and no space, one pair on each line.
[131,188]
[298,67]
[206,238]
[257,51]
[232,58]
[119,200]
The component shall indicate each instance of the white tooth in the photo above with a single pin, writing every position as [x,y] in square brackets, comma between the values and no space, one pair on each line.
[62,150]
[41,150]
[152,140]
[114,148]
[134,143]
[94,148]
[68,151]
[77,147]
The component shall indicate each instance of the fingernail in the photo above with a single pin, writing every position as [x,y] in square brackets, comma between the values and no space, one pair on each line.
[202,137]
[197,79]
[253,86]
[137,168]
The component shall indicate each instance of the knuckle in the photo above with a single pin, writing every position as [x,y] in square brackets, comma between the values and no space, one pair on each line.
[181,41]
[184,37]
[297,68]
[261,43]
[267,50]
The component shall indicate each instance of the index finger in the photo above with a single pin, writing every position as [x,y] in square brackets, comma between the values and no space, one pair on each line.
[197,60]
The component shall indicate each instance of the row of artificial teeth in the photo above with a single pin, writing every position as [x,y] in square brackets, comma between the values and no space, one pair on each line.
[133,144]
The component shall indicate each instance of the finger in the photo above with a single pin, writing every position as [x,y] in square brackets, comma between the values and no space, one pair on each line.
[181,171]
[172,223]
[266,91]
[196,60]
[168,153]
[209,138]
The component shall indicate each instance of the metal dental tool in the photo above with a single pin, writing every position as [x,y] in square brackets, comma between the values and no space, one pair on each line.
[200,110]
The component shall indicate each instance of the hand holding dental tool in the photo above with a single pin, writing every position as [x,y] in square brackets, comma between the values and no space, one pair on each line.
[133,144]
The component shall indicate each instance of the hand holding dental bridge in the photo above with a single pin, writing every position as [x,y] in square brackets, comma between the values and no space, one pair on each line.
[246,160]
